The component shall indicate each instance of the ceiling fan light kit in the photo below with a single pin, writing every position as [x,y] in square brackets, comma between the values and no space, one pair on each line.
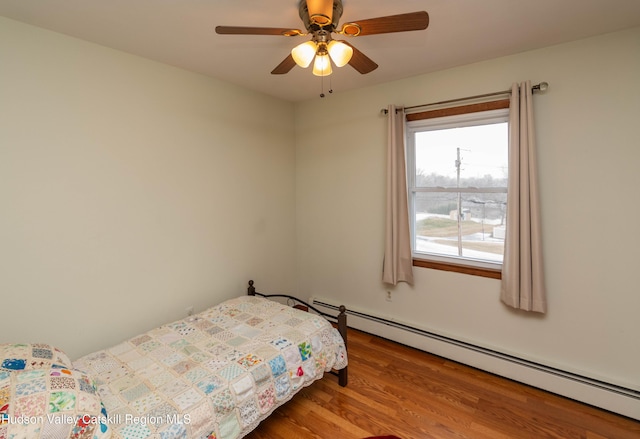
[320,19]
[322,65]
[304,53]
[340,53]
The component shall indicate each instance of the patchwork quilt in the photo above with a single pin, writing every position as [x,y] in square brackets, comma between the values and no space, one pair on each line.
[216,374]
[43,397]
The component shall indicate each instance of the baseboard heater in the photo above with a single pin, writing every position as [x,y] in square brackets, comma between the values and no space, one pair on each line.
[614,389]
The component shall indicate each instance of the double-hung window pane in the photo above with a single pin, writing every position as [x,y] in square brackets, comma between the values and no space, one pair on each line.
[457,178]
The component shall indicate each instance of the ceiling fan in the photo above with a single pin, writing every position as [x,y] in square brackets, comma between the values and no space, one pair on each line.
[320,19]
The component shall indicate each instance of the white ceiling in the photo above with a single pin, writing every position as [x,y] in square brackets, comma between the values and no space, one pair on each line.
[181,33]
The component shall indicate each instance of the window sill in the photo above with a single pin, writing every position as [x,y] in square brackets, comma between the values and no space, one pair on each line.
[465,269]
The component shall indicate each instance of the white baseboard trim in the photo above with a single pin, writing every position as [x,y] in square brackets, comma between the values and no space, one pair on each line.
[607,396]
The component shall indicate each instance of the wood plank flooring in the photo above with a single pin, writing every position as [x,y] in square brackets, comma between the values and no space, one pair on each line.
[394,389]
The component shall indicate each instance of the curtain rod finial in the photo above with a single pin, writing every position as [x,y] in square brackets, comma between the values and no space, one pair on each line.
[542,87]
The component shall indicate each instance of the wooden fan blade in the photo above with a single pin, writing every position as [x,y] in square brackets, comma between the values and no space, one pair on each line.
[285,66]
[392,23]
[361,62]
[242,30]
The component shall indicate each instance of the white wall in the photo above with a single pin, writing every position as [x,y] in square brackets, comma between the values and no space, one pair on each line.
[130,190]
[589,153]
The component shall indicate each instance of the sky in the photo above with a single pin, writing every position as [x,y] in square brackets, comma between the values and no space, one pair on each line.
[483,150]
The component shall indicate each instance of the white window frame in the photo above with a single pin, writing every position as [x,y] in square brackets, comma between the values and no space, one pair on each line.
[444,122]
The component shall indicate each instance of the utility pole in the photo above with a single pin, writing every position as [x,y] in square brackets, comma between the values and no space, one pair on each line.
[458,166]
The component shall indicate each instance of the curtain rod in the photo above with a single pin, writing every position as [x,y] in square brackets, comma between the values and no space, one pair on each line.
[538,87]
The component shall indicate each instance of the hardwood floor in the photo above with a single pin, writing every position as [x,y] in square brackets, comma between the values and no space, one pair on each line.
[394,389]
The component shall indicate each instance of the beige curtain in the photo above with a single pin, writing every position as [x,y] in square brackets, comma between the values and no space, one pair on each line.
[522,270]
[398,264]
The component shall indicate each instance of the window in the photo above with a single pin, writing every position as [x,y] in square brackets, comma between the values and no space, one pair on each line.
[457,169]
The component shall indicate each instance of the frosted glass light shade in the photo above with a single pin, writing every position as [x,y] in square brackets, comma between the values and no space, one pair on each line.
[322,66]
[340,52]
[303,53]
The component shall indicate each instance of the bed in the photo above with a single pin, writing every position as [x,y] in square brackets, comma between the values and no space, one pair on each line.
[216,374]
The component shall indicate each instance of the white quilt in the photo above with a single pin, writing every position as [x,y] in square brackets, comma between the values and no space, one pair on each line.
[216,374]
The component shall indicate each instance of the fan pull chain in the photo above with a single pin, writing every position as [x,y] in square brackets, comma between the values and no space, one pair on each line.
[322,86]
